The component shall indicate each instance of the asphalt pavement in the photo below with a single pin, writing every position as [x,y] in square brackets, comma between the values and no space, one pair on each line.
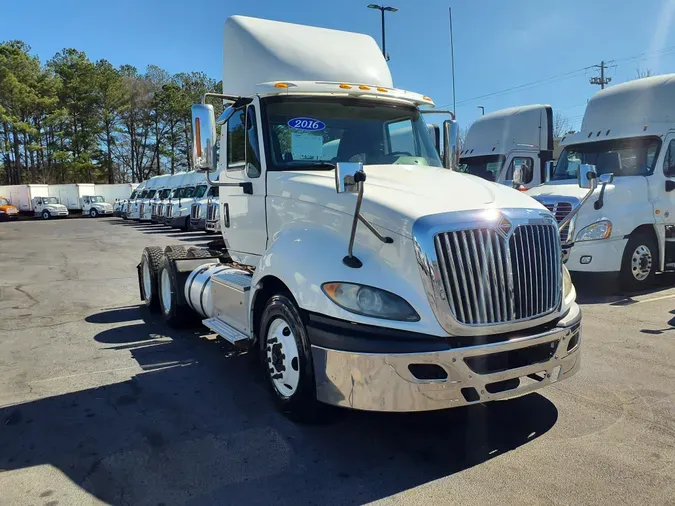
[100,402]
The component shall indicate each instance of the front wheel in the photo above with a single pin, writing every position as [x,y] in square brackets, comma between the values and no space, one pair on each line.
[639,263]
[46,215]
[287,359]
[93,213]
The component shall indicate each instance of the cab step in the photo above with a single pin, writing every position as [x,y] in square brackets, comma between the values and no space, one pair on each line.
[225,330]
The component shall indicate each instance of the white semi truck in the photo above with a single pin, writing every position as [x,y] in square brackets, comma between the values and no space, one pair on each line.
[378,279]
[498,142]
[178,213]
[131,211]
[149,205]
[626,229]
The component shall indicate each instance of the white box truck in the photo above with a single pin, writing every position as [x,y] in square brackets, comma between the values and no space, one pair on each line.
[626,229]
[48,208]
[21,195]
[378,279]
[95,206]
[70,195]
[112,193]
[498,142]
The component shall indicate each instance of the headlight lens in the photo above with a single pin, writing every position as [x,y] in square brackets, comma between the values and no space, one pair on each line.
[567,282]
[369,301]
[598,230]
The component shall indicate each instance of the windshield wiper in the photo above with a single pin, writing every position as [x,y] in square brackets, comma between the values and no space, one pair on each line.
[311,165]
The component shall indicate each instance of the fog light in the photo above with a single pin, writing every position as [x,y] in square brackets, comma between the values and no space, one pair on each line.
[586,259]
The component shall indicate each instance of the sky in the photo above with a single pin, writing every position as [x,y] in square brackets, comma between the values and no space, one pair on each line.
[499,44]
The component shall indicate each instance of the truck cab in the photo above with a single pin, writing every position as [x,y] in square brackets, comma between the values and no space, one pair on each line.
[498,142]
[7,210]
[133,205]
[626,230]
[212,223]
[199,208]
[182,199]
[371,276]
[150,209]
[145,202]
[95,205]
[49,207]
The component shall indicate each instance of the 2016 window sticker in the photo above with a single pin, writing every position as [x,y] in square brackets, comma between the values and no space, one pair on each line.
[306,124]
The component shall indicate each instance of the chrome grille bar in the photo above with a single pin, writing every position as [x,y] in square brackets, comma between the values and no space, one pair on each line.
[490,279]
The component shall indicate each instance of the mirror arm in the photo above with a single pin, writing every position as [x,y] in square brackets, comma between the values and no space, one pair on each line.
[385,239]
[350,260]
[601,199]
[576,210]
[247,185]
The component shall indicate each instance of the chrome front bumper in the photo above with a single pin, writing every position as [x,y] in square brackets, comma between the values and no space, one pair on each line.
[384,381]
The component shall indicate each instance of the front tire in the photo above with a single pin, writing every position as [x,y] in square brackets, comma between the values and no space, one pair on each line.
[639,263]
[46,215]
[287,360]
[93,213]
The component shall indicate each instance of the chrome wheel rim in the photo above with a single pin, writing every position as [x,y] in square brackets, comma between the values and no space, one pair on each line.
[641,262]
[147,282]
[283,358]
[165,290]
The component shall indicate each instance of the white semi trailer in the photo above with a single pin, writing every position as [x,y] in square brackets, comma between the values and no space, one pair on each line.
[626,229]
[378,279]
[498,142]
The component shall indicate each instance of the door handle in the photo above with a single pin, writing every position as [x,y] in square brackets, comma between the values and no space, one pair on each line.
[670,185]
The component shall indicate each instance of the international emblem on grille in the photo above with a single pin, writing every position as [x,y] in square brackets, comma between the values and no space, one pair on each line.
[504,226]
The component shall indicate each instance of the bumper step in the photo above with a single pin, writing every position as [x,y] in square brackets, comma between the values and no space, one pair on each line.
[224,330]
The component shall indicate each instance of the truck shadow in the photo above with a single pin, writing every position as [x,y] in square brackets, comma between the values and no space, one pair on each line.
[657,332]
[589,291]
[194,425]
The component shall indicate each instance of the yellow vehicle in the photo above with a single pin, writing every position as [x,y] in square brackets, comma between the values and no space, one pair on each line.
[7,210]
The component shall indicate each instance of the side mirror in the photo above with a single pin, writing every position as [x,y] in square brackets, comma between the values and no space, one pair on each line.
[203,137]
[435,134]
[348,175]
[606,178]
[550,169]
[586,176]
[517,175]
[451,144]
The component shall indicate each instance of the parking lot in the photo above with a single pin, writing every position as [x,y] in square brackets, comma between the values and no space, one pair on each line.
[101,402]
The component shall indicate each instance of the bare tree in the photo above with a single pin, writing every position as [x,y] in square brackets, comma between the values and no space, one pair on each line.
[561,125]
[642,73]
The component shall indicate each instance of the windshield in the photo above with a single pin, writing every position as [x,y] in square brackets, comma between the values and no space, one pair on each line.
[164,193]
[143,194]
[150,194]
[50,200]
[624,157]
[96,198]
[188,192]
[176,193]
[487,167]
[133,195]
[200,191]
[213,192]
[4,202]
[319,132]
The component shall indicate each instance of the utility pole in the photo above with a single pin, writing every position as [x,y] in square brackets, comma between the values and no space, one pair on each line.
[382,9]
[602,80]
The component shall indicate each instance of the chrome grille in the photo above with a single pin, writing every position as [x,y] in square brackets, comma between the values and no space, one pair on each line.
[154,210]
[488,279]
[169,210]
[212,212]
[160,210]
[560,210]
[194,211]
[142,208]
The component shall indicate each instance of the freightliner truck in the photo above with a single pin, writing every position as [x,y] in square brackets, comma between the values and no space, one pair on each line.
[377,279]
[626,230]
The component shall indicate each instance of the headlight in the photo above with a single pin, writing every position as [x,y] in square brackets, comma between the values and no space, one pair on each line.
[567,282]
[2,212]
[369,301]
[598,230]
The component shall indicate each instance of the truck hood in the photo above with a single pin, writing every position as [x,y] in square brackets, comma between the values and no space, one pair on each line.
[9,208]
[397,195]
[567,188]
[58,207]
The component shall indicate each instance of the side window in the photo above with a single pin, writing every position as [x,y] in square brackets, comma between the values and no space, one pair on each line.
[252,145]
[236,148]
[400,136]
[527,164]
[669,160]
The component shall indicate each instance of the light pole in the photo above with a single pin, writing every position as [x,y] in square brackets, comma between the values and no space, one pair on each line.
[383,8]
[482,109]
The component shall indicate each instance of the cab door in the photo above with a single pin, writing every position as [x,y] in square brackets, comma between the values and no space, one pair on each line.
[529,162]
[662,193]
[242,213]
[86,204]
